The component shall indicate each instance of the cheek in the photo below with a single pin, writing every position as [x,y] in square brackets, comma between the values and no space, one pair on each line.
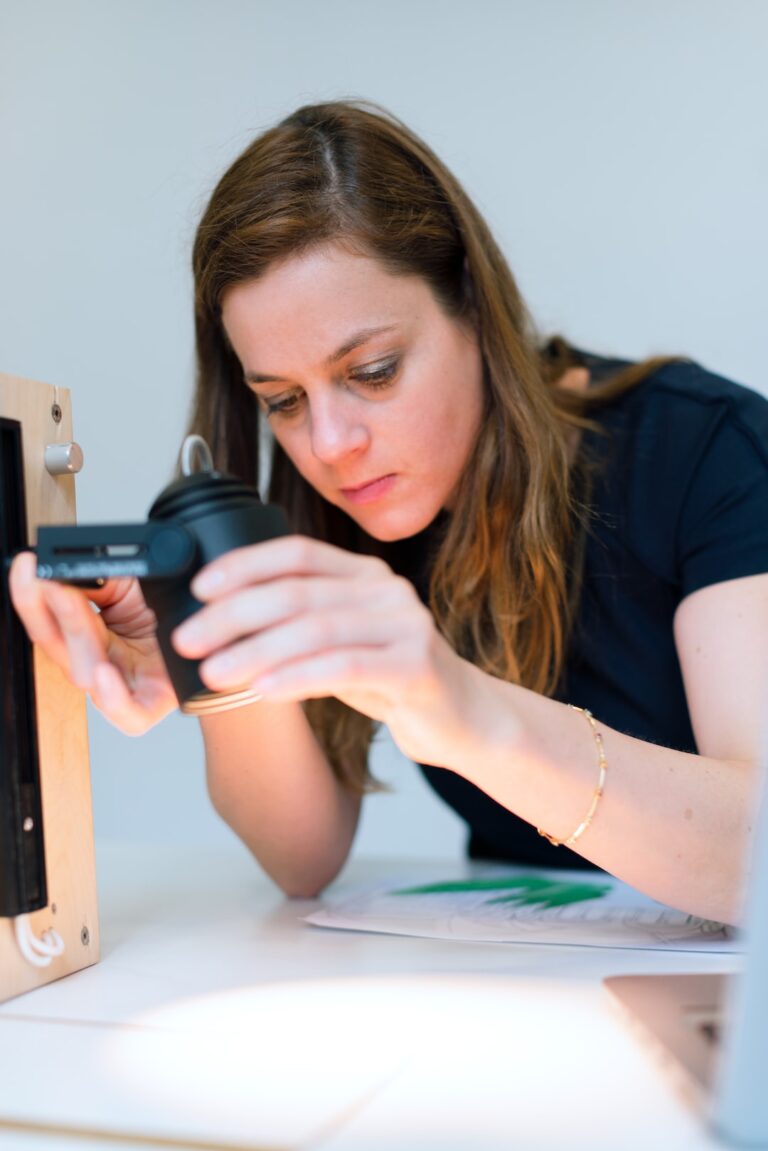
[456,440]
[295,446]
[437,444]
[456,422]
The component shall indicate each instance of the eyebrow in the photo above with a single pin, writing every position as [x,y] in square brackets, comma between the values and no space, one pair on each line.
[355,341]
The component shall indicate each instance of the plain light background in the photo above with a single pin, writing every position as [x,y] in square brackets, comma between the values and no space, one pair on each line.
[618,148]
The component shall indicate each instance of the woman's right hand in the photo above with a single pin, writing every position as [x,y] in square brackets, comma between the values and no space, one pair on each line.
[111,652]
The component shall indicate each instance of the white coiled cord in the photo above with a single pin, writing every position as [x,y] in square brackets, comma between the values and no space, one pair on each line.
[37,950]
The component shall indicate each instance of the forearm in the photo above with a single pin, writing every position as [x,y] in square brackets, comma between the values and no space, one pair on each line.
[269,780]
[672,824]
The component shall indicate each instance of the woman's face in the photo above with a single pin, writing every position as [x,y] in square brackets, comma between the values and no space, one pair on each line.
[370,389]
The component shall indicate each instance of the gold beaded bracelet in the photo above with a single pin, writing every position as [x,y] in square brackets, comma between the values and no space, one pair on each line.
[602,763]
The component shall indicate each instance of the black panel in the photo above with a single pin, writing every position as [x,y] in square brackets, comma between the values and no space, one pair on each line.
[22,849]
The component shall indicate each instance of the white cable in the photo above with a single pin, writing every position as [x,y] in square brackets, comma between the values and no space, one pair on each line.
[49,943]
[195,456]
[37,950]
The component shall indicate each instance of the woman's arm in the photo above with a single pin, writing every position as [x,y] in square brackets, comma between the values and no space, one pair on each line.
[303,619]
[270,781]
[674,825]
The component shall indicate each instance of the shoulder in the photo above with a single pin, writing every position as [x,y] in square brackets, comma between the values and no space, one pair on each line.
[686,455]
[690,394]
[675,418]
[683,395]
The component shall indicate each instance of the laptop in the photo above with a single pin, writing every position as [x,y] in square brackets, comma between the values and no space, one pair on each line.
[715,1027]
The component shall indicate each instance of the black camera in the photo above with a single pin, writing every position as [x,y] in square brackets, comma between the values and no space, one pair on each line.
[195,519]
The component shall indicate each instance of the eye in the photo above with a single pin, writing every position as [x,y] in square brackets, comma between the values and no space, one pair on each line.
[281,406]
[377,375]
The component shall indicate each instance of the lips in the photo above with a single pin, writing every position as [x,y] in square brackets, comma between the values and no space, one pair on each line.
[369,491]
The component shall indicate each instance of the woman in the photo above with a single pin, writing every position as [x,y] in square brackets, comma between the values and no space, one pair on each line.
[584,532]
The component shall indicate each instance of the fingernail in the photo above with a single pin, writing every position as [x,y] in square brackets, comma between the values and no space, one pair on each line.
[206,582]
[187,634]
[220,665]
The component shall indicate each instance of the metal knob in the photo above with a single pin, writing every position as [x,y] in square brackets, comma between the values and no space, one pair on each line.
[63,459]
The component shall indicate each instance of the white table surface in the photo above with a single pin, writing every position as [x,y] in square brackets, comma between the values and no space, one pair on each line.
[217,1018]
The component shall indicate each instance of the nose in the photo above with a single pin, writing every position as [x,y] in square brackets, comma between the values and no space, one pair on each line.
[337,431]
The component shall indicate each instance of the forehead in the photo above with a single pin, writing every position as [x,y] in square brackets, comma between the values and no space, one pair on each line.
[309,304]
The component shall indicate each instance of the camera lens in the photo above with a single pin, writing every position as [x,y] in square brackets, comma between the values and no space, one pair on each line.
[219,513]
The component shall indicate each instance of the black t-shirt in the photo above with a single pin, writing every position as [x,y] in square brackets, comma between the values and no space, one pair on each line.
[679,501]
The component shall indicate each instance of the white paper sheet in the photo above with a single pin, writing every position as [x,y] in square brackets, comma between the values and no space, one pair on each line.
[526,905]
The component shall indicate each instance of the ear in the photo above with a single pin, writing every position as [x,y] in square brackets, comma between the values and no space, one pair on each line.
[575,379]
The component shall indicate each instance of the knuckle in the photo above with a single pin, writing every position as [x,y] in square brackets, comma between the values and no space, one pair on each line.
[350,666]
[300,550]
[404,589]
[297,596]
[320,632]
[378,568]
[398,594]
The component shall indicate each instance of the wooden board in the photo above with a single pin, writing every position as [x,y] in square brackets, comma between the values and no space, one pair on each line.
[62,726]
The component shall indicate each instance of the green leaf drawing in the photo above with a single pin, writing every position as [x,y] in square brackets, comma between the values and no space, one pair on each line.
[519,890]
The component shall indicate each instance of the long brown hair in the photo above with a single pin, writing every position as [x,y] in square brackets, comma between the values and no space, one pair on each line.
[349,172]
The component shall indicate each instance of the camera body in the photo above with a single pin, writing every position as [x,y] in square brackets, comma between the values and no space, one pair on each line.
[193,521]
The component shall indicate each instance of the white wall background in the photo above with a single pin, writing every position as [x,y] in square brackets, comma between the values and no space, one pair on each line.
[618,147]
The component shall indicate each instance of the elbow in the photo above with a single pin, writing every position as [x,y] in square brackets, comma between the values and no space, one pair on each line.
[295,881]
[308,882]
[305,878]
[301,890]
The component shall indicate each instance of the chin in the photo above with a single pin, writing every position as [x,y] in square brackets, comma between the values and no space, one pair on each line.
[388,528]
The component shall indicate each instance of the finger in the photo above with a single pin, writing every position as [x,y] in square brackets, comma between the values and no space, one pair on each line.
[300,639]
[81,629]
[132,713]
[111,591]
[29,596]
[269,605]
[61,621]
[30,591]
[286,556]
[358,671]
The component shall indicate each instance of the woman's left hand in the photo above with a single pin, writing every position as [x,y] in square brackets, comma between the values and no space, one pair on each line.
[299,619]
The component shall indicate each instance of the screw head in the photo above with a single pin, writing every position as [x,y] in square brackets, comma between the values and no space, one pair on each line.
[28,824]
[85,937]
[57,413]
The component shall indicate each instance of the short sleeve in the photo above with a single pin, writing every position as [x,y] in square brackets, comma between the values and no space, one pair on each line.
[722,531]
